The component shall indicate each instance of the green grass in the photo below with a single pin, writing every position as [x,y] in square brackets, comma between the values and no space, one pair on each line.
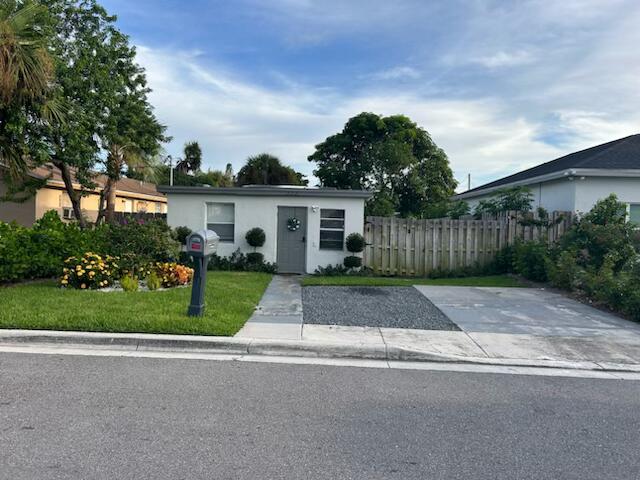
[230,301]
[487,281]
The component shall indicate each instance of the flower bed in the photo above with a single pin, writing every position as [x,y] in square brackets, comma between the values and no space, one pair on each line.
[94,272]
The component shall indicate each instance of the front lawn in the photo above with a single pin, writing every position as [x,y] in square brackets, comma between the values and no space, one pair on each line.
[230,300]
[354,280]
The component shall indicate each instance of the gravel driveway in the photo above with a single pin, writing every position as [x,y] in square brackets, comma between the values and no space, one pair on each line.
[390,307]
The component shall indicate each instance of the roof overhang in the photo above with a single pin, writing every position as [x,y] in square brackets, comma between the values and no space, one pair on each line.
[266,192]
[562,174]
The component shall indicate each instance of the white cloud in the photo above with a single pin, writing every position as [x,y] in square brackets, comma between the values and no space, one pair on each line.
[233,119]
[396,73]
[577,87]
[505,59]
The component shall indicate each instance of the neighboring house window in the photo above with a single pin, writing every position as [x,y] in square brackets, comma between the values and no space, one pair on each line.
[142,207]
[634,213]
[158,207]
[221,219]
[331,229]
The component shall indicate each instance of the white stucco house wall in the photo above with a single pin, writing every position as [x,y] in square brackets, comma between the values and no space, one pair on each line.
[577,181]
[305,227]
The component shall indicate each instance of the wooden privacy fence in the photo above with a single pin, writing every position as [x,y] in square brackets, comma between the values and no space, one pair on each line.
[414,247]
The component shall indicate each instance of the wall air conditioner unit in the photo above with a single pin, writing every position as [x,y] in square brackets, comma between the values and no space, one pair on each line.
[67,213]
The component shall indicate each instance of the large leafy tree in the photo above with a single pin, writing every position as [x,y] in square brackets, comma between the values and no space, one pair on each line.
[115,124]
[390,155]
[265,169]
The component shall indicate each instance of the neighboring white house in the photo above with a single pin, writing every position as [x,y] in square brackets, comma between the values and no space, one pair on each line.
[305,227]
[577,181]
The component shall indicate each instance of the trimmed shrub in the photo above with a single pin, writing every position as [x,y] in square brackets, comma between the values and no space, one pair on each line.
[255,258]
[255,237]
[352,261]
[180,234]
[355,243]
[40,251]
[331,270]
[149,241]
[240,262]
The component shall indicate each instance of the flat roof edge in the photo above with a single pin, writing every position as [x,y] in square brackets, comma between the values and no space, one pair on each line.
[265,192]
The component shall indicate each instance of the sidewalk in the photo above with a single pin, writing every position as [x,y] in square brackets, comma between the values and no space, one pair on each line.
[279,317]
[277,329]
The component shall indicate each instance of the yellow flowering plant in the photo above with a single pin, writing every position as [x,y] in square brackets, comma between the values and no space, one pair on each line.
[89,272]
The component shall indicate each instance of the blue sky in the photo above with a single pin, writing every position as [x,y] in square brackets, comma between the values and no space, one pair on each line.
[500,85]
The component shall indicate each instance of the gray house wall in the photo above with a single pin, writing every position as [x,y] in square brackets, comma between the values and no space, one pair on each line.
[578,194]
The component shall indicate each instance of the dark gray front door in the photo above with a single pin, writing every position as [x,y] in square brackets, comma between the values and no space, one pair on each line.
[292,245]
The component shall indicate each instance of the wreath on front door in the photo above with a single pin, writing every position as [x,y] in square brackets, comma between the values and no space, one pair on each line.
[293,224]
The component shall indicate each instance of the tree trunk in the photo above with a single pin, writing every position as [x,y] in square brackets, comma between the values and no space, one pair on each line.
[110,190]
[73,195]
[101,205]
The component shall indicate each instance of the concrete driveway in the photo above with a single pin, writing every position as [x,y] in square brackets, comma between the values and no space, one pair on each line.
[530,311]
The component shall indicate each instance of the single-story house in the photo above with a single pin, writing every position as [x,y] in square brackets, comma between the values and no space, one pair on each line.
[132,196]
[577,181]
[305,227]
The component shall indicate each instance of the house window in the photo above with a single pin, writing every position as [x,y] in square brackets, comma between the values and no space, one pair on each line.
[634,213]
[221,219]
[158,207]
[331,229]
[142,207]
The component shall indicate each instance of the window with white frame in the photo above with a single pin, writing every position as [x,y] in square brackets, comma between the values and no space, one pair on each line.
[158,207]
[331,229]
[634,213]
[221,219]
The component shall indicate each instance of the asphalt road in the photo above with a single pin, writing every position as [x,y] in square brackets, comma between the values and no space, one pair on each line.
[66,417]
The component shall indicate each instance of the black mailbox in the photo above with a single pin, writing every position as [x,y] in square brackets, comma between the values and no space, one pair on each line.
[200,245]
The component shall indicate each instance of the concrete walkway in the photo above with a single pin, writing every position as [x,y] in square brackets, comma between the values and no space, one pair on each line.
[501,326]
[279,314]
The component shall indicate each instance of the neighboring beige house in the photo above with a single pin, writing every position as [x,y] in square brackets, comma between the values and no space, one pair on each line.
[132,196]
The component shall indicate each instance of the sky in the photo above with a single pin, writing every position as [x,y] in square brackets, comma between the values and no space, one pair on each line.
[499,85]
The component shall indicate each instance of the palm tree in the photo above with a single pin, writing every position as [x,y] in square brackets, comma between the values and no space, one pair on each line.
[26,76]
[26,68]
[118,156]
[192,160]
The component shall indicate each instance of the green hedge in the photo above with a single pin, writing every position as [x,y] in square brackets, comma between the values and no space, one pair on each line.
[599,257]
[39,251]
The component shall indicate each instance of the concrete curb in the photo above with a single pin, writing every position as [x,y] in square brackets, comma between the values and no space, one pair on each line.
[294,348]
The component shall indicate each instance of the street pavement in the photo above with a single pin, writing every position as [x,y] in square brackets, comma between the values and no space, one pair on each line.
[81,417]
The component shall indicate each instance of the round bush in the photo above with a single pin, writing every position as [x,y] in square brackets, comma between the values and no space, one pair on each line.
[355,243]
[255,258]
[352,261]
[255,237]
[181,234]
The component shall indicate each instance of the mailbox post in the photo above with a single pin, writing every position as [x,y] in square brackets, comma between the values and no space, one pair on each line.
[200,245]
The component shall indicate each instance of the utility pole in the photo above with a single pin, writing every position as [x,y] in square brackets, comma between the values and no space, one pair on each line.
[170,170]
[468,181]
